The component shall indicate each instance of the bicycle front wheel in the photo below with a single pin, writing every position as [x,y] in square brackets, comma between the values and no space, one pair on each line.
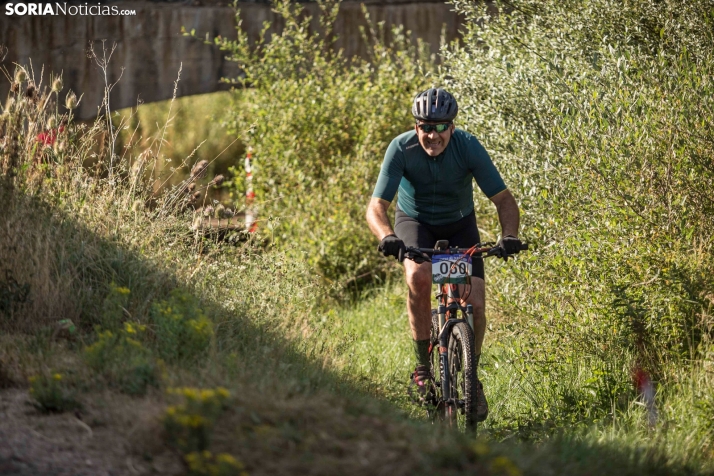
[462,381]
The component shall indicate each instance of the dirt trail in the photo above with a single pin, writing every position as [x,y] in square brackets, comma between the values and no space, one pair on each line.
[73,443]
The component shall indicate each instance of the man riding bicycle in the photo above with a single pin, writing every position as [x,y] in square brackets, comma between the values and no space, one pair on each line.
[433,166]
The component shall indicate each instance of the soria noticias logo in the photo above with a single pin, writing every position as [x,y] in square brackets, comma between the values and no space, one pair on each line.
[62,8]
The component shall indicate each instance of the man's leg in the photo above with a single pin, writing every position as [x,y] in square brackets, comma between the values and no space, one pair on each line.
[418,278]
[419,299]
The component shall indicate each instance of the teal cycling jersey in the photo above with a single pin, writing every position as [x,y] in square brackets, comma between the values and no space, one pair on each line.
[437,190]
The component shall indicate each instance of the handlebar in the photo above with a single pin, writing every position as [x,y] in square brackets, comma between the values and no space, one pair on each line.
[411,252]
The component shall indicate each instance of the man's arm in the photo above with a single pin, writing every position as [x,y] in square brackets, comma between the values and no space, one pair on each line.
[508,213]
[377,218]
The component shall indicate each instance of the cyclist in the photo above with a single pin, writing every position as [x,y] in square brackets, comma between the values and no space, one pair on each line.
[433,166]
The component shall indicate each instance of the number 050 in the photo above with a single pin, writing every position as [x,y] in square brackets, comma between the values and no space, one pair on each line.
[459,268]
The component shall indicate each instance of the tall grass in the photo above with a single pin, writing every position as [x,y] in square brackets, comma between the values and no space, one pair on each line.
[106,292]
[241,352]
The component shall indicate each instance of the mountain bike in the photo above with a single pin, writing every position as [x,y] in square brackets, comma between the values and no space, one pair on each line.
[452,398]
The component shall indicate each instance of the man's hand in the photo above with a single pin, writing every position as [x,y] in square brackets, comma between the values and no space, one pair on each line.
[509,245]
[391,245]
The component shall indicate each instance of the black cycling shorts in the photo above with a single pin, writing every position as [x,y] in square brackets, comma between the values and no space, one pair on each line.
[462,233]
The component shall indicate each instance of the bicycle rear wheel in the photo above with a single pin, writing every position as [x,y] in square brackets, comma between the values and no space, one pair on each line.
[462,372]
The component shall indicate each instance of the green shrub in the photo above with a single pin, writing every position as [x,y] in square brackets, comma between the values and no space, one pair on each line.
[206,463]
[319,124]
[51,393]
[114,307]
[123,360]
[599,115]
[183,331]
[189,423]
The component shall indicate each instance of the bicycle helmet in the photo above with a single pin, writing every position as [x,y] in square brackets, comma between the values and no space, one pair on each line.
[435,105]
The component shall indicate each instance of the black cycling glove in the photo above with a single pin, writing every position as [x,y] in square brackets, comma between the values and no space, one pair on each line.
[509,245]
[391,245]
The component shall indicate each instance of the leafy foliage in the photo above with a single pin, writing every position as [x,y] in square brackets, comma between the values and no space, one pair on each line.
[183,331]
[599,114]
[51,393]
[320,124]
[189,423]
[122,359]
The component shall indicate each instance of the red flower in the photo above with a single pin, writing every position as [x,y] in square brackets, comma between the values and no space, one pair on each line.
[48,138]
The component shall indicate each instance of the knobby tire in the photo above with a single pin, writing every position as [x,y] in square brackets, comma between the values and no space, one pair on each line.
[463,375]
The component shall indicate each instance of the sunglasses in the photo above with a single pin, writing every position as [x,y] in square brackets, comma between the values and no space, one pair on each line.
[434,127]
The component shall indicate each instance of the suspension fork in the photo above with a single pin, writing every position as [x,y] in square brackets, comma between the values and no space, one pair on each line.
[454,296]
[444,363]
[444,333]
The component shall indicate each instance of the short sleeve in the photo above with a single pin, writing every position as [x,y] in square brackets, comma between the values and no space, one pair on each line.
[390,175]
[484,171]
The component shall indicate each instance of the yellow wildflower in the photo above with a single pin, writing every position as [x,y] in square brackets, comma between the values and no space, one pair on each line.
[503,465]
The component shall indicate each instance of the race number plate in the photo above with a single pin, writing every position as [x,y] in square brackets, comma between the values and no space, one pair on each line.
[455,269]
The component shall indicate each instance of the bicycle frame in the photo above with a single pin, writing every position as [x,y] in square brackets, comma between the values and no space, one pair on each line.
[447,311]
[448,308]
[448,300]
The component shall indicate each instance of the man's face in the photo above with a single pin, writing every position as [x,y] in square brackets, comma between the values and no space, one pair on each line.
[434,142]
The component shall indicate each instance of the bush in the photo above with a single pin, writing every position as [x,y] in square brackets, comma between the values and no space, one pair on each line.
[319,124]
[207,464]
[189,424]
[183,331]
[52,393]
[114,307]
[123,360]
[597,113]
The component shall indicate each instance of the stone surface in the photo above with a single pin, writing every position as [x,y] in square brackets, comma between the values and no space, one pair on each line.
[150,49]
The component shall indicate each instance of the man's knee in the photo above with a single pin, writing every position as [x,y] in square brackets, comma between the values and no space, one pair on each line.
[419,278]
[479,308]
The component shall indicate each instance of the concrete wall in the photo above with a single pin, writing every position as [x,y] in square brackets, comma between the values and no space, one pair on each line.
[150,47]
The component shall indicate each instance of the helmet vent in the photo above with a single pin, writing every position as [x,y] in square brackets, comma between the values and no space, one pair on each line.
[435,104]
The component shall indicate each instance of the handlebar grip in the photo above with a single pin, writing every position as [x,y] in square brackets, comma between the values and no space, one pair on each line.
[494,251]
[524,247]
[402,251]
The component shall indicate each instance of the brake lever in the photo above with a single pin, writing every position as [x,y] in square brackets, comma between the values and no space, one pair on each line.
[416,256]
[421,258]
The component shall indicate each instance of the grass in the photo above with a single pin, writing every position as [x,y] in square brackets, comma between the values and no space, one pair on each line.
[307,385]
[521,400]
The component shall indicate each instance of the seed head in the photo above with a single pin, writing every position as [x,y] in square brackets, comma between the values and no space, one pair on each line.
[196,195]
[31,91]
[57,85]
[52,122]
[208,211]
[191,187]
[71,100]
[199,170]
[217,180]
[219,210]
[20,75]
[15,87]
